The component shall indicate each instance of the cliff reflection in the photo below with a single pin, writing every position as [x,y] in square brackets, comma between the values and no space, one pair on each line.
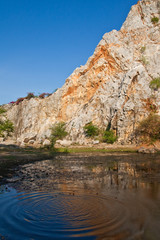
[125,171]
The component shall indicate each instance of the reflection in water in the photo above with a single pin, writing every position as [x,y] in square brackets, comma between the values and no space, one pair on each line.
[86,197]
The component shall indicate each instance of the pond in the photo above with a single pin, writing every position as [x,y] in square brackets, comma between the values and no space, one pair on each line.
[83,196]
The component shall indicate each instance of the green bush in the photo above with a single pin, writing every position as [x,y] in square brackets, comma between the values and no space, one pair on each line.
[6,127]
[150,104]
[155,20]
[143,49]
[155,83]
[144,60]
[19,100]
[149,128]
[2,110]
[91,130]
[109,136]
[30,95]
[58,131]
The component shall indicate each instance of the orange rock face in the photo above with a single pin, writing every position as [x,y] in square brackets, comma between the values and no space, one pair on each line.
[84,84]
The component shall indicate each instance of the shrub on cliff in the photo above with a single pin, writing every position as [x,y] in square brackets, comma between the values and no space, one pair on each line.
[2,110]
[91,130]
[149,128]
[12,102]
[19,100]
[155,20]
[30,95]
[142,50]
[43,95]
[109,136]
[6,128]
[150,104]
[155,83]
[58,131]
[144,60]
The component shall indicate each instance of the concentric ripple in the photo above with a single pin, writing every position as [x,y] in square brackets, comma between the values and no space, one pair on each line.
[57,215]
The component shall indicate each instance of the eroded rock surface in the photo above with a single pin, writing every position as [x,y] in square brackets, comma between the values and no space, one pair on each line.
[112,87]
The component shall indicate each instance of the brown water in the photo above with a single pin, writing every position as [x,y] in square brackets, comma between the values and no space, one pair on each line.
[111,196]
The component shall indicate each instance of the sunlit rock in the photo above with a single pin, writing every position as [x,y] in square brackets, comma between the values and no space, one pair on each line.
[46,142]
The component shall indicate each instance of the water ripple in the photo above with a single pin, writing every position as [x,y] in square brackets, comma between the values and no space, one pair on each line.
[64,215]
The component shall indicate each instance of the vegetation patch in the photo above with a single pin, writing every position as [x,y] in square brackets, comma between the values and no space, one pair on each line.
[58,131]
[29,96]
[150,104]
[109,136]
[94,150]
[44,95]
[155,84]
[144,60]
[91,130]
[155,20]
[19,100]
[2,110]
[6,128]
[143,49]
[149,128]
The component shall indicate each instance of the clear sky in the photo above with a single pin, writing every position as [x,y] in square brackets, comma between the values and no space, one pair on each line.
[43,41]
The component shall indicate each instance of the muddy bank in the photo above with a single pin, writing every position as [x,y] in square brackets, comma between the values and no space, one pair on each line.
[122,169]
[12,156]
[90,147]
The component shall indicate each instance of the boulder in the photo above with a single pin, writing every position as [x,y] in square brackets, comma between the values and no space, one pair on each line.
[46,142]
[31,141]
[1,139]
[26,140]
[95,142]
[64,143]
[146,150]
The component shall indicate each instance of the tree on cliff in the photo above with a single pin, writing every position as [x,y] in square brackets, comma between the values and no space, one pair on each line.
[58,131]
[6,126]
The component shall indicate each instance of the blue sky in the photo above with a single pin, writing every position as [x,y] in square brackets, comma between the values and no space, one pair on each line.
[43,41]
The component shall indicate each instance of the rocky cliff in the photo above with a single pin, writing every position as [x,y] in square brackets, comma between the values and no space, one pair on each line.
[112,87]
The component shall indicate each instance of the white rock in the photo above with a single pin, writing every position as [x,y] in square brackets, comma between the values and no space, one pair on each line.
[46,142]
[95,142]
[64,143]
[1,139]
[31,141]
[23,145]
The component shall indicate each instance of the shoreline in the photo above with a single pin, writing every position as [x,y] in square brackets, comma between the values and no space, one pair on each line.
[10,146]
[12,156]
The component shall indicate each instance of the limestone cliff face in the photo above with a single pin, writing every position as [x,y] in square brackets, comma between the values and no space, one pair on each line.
[113,86]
